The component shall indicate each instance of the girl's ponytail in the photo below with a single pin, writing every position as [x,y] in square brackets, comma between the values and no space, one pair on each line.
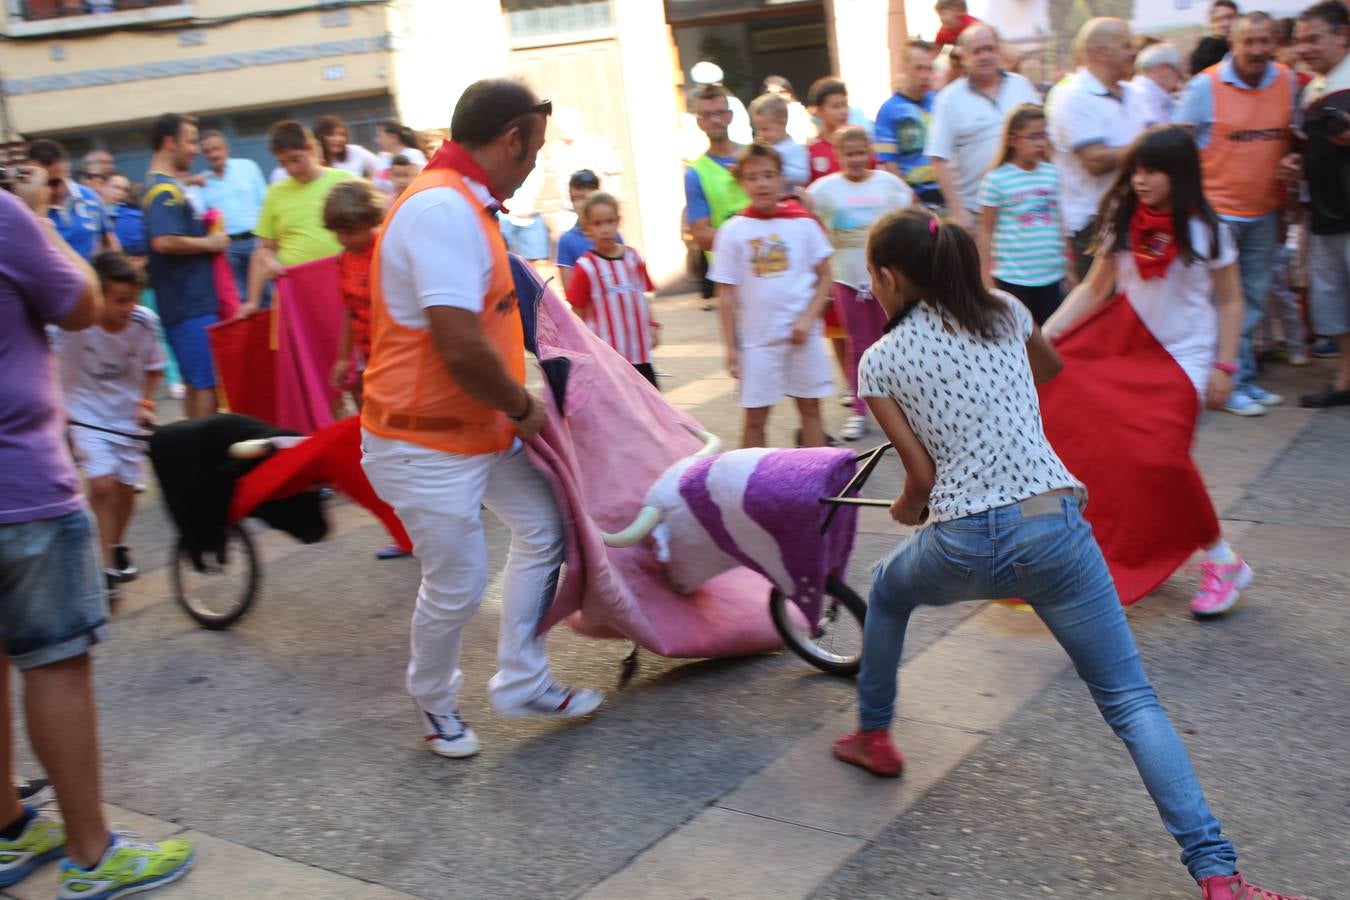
[942,261]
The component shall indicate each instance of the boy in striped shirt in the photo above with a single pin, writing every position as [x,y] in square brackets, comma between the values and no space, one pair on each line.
[609,286]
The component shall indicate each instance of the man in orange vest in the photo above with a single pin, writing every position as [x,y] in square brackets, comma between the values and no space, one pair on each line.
[445,409]
[1240,111]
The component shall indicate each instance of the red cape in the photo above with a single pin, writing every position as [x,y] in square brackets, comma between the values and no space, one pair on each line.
[1122,417]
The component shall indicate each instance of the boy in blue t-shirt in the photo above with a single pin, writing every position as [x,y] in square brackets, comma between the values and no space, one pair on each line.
[574,244]
[902,125]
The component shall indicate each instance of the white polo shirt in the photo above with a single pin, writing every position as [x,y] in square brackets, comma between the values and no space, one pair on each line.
[967,128]
[1083,113]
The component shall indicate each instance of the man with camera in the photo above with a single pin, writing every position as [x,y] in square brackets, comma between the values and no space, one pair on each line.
[1322,39]
[52,608]
[75,209]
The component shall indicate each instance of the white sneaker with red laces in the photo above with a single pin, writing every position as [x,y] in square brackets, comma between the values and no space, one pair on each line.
[562,702]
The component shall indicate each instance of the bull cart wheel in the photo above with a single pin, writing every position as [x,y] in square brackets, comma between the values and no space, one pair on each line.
[836,645]
[218,597]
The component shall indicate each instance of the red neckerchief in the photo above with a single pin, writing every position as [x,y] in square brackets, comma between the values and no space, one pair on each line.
[453,156]
[786,209]
[1153,241]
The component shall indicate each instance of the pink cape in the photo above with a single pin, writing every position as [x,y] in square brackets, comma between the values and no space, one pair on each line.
[600,455]
[310,300]
[274,365]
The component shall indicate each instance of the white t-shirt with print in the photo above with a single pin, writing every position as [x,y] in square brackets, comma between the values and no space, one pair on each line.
[773,263]
[972,403]
[103,372]
[1178,308]
[848,209]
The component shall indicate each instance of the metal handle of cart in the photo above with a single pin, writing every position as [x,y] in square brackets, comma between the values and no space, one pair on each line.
[869,461]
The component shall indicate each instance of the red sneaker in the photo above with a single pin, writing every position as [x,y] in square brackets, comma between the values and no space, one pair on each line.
[872,750]
[1235,887]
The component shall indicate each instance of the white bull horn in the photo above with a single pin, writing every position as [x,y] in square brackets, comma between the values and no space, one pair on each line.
[711,442]
[250,449]
[258,447]
[642,526]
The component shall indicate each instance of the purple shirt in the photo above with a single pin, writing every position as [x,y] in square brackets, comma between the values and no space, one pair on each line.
[38,286]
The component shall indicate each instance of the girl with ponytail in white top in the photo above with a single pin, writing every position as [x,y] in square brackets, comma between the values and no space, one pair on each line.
[952,382]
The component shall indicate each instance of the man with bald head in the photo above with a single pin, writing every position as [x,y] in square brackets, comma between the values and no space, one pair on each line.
[968,116]
[1240,111]
[1094,116]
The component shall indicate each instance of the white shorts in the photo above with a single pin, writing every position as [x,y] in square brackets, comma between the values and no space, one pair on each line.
[770,373]
[102,454]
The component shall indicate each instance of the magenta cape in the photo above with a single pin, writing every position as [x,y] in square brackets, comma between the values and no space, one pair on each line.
[274,365]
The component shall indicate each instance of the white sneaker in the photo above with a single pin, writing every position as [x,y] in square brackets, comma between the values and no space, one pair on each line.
[1298,356]
[1240,404]
[1264,397]
[846,400]
[448,735]
[854,428]
[560,701]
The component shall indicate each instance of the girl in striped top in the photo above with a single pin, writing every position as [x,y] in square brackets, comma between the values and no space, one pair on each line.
[1021,235]
[609,286]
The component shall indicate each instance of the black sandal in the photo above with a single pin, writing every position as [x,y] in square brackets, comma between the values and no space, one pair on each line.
[1327,397]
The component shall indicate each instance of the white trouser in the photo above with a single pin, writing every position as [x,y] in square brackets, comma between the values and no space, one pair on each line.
[437,497]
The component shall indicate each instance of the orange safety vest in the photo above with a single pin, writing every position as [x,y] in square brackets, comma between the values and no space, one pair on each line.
[409,393]
[1249,136]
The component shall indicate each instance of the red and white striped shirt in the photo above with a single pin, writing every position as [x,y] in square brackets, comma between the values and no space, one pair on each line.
[610,294]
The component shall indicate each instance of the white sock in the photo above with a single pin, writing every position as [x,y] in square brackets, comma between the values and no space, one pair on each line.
[1221,553]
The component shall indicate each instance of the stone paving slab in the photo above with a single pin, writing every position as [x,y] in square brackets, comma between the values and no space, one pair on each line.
[1310,483]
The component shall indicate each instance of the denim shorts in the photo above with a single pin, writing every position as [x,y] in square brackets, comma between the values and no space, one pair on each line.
[52,605]
[192,349]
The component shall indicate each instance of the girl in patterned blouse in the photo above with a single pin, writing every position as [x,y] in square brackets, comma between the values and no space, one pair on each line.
[953,385]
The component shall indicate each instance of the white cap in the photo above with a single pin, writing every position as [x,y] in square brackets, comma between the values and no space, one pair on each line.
[1155,55]
[706,72]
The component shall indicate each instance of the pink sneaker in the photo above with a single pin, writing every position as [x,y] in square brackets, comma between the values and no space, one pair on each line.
[872,750]
[1235,887]
[1219,587]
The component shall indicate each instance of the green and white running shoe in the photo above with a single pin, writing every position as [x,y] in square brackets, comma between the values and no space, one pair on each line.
[42,840]
[129,866]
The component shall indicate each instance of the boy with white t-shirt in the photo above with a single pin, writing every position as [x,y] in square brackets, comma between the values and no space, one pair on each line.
[772,263]
[848,203]
[109,374]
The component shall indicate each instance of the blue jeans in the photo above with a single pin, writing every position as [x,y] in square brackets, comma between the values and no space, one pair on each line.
[1053,563]
[1256,242]
[240,253]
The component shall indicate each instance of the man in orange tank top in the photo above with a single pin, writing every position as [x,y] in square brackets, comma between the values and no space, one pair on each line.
[1240,112]
[445,409]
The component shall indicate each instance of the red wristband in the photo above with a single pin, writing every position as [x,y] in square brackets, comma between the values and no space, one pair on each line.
[146,404]
[1226,368]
